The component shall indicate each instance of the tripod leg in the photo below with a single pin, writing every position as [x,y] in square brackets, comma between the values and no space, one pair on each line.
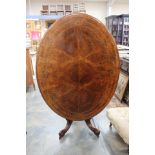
[63,131]
[90,126]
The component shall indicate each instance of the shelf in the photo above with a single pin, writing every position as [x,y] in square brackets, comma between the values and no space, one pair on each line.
[44,17]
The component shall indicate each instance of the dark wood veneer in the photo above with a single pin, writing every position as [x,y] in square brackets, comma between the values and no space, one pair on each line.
[77,67]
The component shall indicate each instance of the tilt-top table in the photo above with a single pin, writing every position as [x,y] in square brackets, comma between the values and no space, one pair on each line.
[77,68]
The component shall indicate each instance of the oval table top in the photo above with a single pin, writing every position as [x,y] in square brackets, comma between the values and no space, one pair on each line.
[77,67]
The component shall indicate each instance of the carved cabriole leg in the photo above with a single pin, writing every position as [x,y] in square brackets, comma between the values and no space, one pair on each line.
[90,126]
[63,131]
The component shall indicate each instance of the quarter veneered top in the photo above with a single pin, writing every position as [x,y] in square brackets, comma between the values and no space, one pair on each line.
[77,67]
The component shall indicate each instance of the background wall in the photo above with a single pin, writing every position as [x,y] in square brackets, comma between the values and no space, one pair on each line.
[96,8]
[120,8]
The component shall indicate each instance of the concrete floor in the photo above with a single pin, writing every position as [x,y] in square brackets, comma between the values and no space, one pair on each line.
[43,125]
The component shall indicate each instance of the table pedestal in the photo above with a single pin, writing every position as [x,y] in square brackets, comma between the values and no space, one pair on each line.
[69,123]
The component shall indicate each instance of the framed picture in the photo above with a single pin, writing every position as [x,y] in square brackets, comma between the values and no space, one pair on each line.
[121,86]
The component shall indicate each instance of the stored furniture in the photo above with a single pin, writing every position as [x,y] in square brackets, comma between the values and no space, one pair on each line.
[29,70]
[62,9]
[124,64]
[122,85]
[52,9]
[45,10]
[119,118]
[118,26]
[68,9]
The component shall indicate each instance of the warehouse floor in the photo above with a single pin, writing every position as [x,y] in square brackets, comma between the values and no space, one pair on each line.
[43,126]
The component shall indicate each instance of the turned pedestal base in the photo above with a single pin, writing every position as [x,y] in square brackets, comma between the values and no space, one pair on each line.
[69,123]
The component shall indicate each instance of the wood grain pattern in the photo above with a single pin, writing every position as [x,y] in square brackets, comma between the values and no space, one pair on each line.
[77,67]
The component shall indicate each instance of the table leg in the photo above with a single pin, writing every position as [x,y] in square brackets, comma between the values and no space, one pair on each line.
[63,131]
[90,126]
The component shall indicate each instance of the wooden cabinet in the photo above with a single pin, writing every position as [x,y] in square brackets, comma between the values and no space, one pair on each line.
[122,90]
[125,68]
[118,26]
[29,70]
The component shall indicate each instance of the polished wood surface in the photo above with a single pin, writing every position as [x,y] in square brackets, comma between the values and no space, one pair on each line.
[77,67]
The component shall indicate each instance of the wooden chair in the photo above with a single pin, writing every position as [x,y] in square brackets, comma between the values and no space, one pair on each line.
[44,10]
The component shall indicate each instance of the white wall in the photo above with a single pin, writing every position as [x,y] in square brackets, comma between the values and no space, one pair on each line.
[97,9]
[34,8]
[120,8]
[27,7]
